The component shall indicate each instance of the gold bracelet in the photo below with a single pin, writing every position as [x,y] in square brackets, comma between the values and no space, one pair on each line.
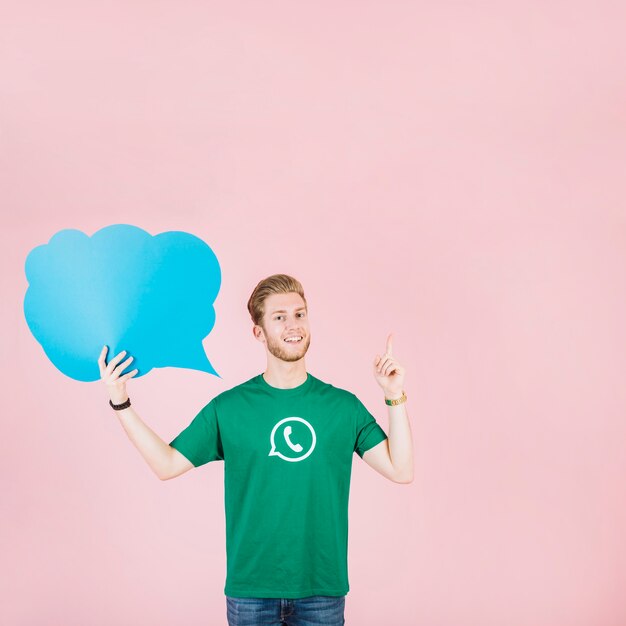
[399,400]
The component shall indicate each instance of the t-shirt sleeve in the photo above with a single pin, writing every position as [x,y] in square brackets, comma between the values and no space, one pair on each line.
[200,442]
[368,430]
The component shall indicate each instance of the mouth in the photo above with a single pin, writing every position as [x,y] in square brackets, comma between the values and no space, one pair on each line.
[293,339]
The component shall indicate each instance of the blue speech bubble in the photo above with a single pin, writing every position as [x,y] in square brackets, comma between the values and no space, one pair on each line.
[124,288]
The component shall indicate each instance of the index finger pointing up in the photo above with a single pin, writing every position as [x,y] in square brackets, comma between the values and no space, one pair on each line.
[388,350]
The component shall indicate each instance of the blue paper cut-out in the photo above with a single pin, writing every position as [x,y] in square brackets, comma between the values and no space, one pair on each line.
[124,288]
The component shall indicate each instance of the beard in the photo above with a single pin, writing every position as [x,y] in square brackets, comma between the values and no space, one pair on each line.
[285,353]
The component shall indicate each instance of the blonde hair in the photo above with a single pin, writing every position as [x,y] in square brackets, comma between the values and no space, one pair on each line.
[276,283]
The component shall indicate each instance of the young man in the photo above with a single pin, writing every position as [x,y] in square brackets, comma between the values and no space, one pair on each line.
[287,440]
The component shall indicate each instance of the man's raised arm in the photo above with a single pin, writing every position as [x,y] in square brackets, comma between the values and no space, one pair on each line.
[165,461]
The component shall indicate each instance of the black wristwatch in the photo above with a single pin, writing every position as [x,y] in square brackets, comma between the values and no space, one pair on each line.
[119,407]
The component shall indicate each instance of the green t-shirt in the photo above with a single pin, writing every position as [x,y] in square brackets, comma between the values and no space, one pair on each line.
[287,462]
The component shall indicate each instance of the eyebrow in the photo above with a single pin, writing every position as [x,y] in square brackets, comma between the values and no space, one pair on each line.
[302,308]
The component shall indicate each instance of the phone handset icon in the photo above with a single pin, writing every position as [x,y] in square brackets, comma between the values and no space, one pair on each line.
[296,447]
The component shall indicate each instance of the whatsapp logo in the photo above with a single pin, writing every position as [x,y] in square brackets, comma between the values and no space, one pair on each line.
[292,439]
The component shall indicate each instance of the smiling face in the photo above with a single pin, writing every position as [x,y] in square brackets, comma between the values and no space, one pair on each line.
[285,316]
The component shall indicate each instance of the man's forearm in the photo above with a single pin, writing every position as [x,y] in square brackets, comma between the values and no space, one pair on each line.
[400,441]
[154,450]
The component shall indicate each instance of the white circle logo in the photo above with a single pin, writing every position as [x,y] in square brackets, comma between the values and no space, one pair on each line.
[288,437]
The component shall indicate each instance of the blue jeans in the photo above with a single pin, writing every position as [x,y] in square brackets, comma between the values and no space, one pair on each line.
[311,611]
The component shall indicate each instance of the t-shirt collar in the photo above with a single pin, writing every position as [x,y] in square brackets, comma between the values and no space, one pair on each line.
[277,391]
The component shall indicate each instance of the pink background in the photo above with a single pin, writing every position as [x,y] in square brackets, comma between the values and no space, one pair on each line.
[449,172]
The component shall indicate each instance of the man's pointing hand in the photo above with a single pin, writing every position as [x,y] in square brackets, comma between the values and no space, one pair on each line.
[389,374]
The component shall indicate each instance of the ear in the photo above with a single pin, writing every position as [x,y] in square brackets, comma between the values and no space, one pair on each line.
[257,331]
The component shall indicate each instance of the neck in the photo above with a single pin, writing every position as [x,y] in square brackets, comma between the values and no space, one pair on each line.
[285,374]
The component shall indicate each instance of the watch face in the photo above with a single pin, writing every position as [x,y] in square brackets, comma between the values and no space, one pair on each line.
[402,398]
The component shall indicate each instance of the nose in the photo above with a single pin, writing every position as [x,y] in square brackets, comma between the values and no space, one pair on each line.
[294,325]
